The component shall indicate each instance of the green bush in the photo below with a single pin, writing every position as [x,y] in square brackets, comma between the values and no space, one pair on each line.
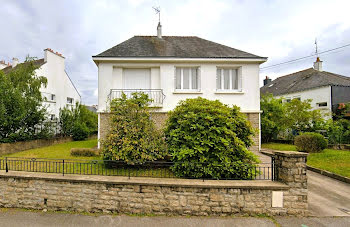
[310,142]
[338,132]
[133,137]
[79,113]
[86,152]
[208,139]
[80,131]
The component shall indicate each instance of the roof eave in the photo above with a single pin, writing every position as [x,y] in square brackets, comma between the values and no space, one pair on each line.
[260,60]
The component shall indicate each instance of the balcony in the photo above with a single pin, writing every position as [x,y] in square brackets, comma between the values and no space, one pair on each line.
[156,95]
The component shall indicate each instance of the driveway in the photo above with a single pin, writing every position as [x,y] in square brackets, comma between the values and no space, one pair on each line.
[327,196]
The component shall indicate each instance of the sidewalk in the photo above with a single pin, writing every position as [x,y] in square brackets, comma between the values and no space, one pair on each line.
[14,217]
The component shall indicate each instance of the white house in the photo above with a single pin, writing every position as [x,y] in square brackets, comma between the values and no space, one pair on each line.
[174,68]
[325,89]
[60,90]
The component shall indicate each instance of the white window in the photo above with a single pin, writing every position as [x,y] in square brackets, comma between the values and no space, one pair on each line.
[69,100]
[187,79]
[228,79]
[52,117]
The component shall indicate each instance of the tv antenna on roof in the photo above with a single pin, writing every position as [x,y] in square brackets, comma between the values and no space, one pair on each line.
[157,9]
[316,47]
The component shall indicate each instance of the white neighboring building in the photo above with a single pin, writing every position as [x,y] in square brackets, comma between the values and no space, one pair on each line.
[325,89]
[60,90]
[174,68]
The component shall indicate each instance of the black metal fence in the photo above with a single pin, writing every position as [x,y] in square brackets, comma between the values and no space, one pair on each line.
[261,171]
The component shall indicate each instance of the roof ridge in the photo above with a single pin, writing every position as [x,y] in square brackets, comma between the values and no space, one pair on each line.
[292,73]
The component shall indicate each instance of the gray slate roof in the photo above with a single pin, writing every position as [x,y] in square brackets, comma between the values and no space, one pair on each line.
[38,63]
[173,46]
[304,80]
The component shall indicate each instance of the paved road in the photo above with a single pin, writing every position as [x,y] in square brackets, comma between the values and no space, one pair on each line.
[13,217]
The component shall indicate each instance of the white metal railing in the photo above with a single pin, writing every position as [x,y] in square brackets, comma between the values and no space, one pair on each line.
[156,95]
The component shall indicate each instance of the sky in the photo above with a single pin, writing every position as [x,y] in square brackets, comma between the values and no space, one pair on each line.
[277,29]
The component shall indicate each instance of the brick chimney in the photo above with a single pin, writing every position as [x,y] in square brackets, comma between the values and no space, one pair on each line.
[14,62]
[318,64]
[267,80]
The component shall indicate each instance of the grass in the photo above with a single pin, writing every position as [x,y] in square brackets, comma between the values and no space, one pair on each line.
[73,165]
[58,151]
[335,161]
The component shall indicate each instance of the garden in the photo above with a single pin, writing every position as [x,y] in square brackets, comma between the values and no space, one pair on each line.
[203,139]
[294,126]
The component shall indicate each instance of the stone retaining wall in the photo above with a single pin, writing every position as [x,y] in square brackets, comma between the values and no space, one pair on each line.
[161,196]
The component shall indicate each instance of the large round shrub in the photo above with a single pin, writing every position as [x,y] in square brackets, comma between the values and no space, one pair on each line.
[133,137]
[310,142]
[208,139]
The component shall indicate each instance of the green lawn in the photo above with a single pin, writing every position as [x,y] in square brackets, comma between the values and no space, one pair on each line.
[33,161]
[58,151]
[335,161]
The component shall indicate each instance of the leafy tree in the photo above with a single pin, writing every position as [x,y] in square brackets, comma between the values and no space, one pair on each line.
[20,102]
[133,137]
[272,117]
[73,119]
[301,118]
[208,139]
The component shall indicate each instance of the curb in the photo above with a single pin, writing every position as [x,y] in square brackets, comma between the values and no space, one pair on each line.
[329,174]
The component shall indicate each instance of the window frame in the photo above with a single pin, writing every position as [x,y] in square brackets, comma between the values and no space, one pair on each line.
[190,85]
[222,79]
[71,103]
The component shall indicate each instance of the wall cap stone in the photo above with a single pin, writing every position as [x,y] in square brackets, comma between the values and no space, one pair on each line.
[294,154]
[169,182]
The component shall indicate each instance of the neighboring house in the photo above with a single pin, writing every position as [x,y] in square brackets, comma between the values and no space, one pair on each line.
[60,90]
[174,68]
[4,65]
[325,89]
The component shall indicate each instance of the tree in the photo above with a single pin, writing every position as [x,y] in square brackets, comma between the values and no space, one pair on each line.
[20,102]
[301,118]
[208,139]
[272,117]
[78,121]
[133,137]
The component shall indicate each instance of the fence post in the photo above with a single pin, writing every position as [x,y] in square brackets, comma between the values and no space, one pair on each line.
[273,168]
[63,168]
[7,169]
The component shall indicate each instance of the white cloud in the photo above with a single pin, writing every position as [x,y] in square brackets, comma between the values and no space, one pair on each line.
[280,30]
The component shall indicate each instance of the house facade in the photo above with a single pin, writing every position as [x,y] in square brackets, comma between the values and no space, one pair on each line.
[173,68]
[60,90]
[326,90]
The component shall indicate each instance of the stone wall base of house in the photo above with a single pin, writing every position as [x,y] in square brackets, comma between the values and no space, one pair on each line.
[160,118]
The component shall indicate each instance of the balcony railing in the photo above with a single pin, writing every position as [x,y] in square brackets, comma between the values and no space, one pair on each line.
[156,95]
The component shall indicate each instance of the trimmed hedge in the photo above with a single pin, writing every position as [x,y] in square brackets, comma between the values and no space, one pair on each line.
[310,142]
[86,152]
